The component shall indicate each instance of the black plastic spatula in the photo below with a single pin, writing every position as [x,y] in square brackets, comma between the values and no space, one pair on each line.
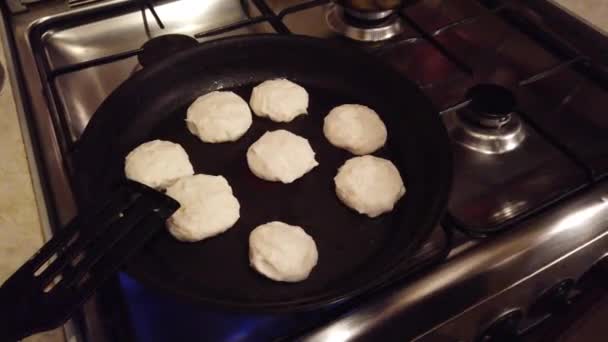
[67,270]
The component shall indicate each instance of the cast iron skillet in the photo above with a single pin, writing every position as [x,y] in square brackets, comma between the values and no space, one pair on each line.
[356,253]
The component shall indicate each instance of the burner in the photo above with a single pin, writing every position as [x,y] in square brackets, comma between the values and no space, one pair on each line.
[364,26]
[489,124]
[368,16]
[161,47]
[492,104]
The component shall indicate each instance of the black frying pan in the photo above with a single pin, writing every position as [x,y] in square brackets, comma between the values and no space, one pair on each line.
[356,253]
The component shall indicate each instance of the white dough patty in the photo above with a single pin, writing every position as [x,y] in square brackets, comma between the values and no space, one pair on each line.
[369,185]
[207,207]
[355,128]
[157,164]
[279,100]
[282,252]
[219,116]
[280,156]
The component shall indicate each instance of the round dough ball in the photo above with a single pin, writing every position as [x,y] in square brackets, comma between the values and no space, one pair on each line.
[282,252]
[207,207]
[219,116]
[369,185]
[157,164]
[280,156]
[279,100]
[355,128]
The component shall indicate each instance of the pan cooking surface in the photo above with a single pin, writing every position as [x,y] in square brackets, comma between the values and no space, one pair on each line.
[355,252]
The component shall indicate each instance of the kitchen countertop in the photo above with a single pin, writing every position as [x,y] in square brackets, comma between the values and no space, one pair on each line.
[20,225]
[594,12]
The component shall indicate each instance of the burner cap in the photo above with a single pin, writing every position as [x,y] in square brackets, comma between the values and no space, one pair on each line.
[368,16]
[161,47]
[367,29]
[361,23]
[489,125]
[491,100]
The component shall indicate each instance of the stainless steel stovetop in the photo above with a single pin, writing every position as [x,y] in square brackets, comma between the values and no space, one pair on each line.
[529,207]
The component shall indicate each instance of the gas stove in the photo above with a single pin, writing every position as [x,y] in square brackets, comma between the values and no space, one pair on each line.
[521,88]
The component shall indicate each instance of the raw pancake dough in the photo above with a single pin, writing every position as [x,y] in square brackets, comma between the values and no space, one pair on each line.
[369,185]
[282,252]
[157,164]
[279,100]
[207,207]
[219,116]
[280,156]
[355,128]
